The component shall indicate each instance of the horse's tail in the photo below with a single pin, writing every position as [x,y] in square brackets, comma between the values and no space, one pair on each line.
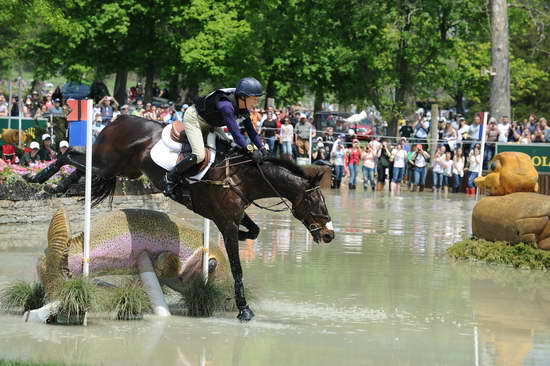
[102,188]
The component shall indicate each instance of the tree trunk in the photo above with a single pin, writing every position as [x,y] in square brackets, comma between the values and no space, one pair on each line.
[149,79]
[174,88]
[121,82]
[459,101]
[269,91]
[432,138]
[191,92]
[500,85]
[318,103]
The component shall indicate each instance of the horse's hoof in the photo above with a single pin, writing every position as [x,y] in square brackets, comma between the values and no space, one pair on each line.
[245,314]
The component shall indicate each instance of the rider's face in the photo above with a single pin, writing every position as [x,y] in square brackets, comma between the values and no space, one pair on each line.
[251,102]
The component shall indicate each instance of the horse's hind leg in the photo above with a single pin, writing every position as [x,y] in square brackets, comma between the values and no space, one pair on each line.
[253,229]
[230,232]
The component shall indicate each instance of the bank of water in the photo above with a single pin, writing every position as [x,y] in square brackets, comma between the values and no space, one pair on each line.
[383,293]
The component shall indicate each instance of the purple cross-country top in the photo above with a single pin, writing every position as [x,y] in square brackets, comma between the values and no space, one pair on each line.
[228,113]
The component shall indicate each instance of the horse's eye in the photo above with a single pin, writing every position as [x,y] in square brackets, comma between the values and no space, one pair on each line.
[493,166]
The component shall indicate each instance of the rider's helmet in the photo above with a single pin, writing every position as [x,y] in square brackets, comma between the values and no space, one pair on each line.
[248,87]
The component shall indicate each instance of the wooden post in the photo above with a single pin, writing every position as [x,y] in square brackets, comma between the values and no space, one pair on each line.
[500,84]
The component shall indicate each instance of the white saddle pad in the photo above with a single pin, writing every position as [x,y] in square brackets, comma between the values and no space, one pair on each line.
[165,153]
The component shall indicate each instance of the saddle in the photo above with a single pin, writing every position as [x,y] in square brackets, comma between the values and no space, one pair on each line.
[177,135]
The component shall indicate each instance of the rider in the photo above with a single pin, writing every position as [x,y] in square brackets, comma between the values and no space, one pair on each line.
[220,108]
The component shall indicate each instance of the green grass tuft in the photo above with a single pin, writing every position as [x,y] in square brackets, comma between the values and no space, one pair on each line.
[30,363]
[203,299]
[129,301]
[520,255]
[22,296]
[77,296]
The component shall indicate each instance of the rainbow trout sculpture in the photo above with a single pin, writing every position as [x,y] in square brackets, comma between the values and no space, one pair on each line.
[118,238]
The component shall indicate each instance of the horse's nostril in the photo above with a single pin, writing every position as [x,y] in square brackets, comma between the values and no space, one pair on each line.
[327,238]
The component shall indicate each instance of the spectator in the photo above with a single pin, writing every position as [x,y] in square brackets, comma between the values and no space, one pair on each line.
[28,107]
[545,129]
[56,109]
[353,158]
[420,162]
[338,156]
[369,161]
[447,172]
[450,135]
[320,155]
[3,106]
[474,163]
[476,129]
[399,158]
[63,147]
[269,132]
[538,135]
[406,130]
[8,153]
[31,157]
[107,109]
[525,137]
[138,111]
[46,153]
[328,138]
[97,126]
[302,133]
[458,169]
[492,139]
[438,169]
[515,132]
[503,129]
[287,135]
[14,107]
[383,164]
[531,125]
[421,131]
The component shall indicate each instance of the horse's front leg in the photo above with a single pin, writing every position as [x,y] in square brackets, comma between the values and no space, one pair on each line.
[230,232]
[253,229]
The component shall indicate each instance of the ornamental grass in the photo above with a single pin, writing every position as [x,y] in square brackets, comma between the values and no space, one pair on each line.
[21,296]
[521,256]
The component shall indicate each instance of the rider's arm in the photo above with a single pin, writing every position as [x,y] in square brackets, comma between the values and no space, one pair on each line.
[251,131]
[228,114]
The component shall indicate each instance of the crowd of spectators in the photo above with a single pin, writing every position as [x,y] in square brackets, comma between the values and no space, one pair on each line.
[288,134]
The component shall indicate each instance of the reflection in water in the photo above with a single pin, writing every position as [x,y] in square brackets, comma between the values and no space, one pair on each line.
[382,293]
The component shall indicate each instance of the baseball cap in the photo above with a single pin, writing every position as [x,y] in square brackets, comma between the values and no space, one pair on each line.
[57,100]
[125,106]
[63,144]
[355,140]
[320,144]
[185,106]
[45,137]
[34,145]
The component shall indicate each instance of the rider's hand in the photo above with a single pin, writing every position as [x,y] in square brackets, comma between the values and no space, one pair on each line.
[257,156]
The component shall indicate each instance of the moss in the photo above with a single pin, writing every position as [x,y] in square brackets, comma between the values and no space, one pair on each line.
[520,255]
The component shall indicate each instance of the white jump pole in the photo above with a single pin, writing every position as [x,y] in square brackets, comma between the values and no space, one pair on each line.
[88,191]
[482,152]
[19,108]
[9,102]
[206,248]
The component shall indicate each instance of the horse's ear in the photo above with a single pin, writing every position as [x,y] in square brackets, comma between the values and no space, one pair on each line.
[315,178]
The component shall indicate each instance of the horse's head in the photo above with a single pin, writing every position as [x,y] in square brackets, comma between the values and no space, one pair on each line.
[310,208]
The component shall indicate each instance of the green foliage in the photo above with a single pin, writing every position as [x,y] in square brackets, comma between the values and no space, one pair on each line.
[129,301]
[203,299]
[22,296]
[77,296]
[520,255]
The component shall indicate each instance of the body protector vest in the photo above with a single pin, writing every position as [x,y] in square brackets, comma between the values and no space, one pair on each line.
[207,106]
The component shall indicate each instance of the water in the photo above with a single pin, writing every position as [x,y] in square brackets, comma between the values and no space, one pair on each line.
[383,293]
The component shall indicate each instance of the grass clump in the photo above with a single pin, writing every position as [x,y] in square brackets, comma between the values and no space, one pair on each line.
[522,256]
[22,296]
[76,296]
[129,301]
[203,299]
[29,363]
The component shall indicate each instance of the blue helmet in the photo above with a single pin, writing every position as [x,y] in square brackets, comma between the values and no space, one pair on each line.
[248,87]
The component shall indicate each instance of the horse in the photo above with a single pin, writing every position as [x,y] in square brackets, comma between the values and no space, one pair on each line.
[233,183]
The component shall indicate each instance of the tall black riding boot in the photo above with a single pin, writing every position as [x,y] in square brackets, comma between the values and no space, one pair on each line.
[172,178]
[44,174]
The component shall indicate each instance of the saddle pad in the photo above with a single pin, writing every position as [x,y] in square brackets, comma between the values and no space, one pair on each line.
[165,154]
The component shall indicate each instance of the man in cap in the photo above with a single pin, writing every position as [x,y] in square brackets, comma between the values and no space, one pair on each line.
[46,153]
[31,156]
[302,131]
[63,147]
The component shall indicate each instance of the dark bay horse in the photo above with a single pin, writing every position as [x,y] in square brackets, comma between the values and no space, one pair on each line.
[123,149]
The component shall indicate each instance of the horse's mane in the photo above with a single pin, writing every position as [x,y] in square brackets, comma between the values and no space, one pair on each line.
[120,118]
[289,165]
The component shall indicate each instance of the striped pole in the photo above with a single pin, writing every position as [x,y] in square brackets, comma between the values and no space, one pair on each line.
[88,190]
[206,248]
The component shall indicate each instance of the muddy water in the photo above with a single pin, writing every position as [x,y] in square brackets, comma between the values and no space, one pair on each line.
[382,294]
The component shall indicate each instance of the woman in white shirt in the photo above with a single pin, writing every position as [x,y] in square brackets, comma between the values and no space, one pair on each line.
[287,136]
[474,162]
[438,169]
[399,158]
[458,169]
[369,161]
[447,171]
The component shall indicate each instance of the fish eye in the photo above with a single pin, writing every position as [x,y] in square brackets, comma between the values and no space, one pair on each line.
[493,166]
